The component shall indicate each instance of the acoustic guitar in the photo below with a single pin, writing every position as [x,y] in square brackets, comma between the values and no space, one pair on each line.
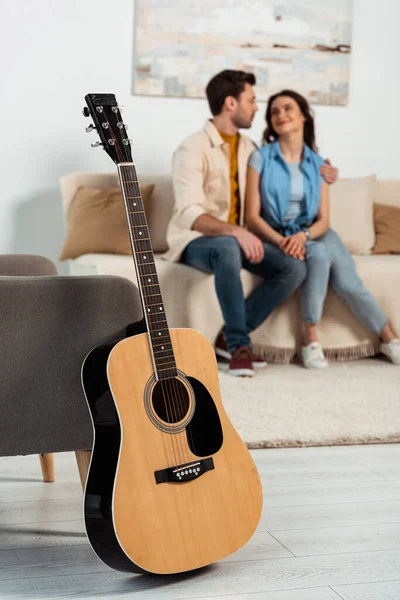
[171,487]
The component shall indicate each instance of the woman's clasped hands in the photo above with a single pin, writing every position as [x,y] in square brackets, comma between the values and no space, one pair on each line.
[294,245]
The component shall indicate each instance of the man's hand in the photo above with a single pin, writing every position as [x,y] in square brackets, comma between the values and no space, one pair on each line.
[329,173]
[251,245]
[295,245]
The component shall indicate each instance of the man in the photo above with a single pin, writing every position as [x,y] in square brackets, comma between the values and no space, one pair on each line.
[206,230]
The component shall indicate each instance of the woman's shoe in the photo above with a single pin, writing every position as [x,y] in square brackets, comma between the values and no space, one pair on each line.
[392,351]
[313,356]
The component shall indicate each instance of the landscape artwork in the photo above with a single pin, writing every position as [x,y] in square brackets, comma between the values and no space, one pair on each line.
[300,44]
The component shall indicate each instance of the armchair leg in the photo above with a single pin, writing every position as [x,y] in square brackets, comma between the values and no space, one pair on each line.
[83,460]
[47,464]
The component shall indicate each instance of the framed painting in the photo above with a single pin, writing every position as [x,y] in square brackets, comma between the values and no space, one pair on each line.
[300,44]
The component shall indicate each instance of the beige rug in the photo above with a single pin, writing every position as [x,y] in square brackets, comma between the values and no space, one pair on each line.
[286,405]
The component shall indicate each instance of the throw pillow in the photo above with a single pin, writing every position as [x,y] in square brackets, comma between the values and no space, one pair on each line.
[351,213]
[97,222]
[387,229]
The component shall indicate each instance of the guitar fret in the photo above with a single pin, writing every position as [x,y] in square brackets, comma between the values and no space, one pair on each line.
[145,247]
[147,275]
[155,322]
[139,247]
[172,373]
[137,243]
[166,363]
[150,273]
[140,219]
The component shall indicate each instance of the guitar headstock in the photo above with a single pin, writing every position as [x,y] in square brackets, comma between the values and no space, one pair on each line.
[107,121]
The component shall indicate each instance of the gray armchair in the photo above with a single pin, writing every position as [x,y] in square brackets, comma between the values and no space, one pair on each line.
[48,326]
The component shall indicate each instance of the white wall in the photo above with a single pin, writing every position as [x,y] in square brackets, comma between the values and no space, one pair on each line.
[53,52]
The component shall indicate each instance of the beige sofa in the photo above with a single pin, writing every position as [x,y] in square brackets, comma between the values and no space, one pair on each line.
[189,295]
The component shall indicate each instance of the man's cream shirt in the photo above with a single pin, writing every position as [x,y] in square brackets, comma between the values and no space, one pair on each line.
[200,172]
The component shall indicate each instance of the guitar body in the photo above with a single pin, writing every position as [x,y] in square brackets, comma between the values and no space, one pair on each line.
[149,520]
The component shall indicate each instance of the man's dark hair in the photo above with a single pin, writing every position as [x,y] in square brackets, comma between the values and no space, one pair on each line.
[224,84]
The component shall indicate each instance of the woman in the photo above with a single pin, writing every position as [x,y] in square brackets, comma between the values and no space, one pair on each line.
[287,204]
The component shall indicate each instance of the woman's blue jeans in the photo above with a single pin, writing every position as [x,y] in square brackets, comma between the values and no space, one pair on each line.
[330,263]
[223,256]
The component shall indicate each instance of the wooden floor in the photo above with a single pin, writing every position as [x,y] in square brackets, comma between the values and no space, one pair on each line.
[330,529]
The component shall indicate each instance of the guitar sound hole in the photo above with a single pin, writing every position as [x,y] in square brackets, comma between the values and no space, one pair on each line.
[170,400]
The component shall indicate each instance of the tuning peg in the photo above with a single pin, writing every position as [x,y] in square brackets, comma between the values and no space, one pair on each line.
[96,144]
[85,111]
[90,128]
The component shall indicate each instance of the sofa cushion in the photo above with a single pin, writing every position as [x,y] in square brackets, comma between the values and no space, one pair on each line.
[97,222]
[158,210]
[351,212]
[387,229]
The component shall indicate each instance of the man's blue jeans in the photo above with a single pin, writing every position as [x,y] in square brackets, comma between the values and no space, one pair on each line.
[329,262]
[223,256]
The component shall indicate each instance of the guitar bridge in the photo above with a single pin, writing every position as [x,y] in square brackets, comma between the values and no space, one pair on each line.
[187,472]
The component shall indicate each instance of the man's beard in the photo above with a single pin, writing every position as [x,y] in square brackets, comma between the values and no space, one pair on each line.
[242,122]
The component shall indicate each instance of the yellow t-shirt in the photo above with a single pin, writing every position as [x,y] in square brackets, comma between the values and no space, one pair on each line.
[234,211]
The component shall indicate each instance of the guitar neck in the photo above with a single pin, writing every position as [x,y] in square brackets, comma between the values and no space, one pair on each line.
[147,278]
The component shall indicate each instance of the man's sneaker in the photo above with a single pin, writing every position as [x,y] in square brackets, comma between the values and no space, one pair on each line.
[221,350]
[257,361]
[313,356]
[221,347]
[392,351]
[241,364]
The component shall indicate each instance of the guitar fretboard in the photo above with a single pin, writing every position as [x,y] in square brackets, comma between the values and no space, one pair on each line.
[149,287]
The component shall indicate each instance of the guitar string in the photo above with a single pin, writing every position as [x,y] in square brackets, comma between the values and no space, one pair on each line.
[165,392]
[123,157]
[173,384]
[174,381]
